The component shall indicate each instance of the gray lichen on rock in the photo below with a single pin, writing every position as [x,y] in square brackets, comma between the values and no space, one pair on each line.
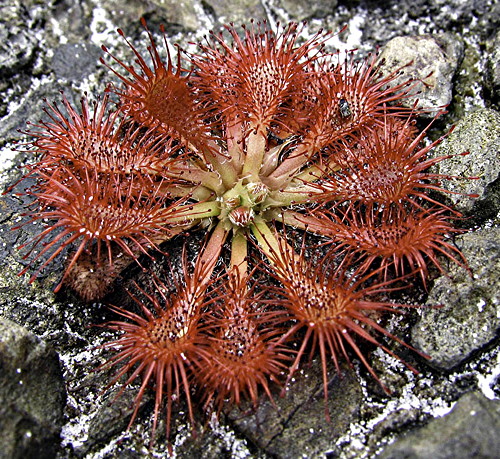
[431,61]
[474,145]
[470,314]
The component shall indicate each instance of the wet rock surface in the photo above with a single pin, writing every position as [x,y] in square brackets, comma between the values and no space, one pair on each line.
[51,46]
[32,394]
[468,431]
[297,426]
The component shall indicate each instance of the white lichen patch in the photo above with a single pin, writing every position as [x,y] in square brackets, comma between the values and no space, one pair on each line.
[102,27]
[237,447]
[487,379]
[8,155]
[75,432]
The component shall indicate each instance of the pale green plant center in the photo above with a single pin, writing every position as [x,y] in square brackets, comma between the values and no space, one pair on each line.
[242,203]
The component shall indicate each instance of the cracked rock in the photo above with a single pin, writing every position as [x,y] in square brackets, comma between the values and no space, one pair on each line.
[470,316]
[470,430]
[32,394]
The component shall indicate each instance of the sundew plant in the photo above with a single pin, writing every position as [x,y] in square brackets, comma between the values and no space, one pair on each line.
[262,142]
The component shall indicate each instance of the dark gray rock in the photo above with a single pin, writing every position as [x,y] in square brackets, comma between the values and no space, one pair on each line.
[29,108]
[239,12]
[431,16]
[18,50]
[18,45]
[176,16]
[17,233]
[185,15]
[470,316]
[469,431]
[300,10]
[112,417]
[32,394]
[479,135]
[492,75]
[297,425]
[75,61]
[430,60]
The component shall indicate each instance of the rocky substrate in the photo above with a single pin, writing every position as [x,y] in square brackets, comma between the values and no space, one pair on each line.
[53,403]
